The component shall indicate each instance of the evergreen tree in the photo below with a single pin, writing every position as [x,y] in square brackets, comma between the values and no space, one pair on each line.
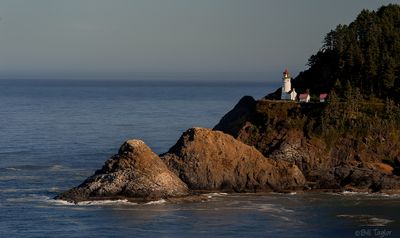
[366,53]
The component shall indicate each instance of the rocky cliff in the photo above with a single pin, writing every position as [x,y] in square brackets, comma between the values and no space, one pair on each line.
[202,160]
[264,145]
[212,160]
[360,156]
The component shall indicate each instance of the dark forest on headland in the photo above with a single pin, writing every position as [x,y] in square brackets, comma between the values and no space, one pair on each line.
[359,66]
[364,54]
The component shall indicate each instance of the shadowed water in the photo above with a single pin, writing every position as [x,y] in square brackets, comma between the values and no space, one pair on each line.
[55,134]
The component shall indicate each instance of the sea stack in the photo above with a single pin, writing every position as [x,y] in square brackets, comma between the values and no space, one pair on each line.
[136,173]
[212,160]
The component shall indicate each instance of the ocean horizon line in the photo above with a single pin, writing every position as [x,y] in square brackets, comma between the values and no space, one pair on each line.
[136,82]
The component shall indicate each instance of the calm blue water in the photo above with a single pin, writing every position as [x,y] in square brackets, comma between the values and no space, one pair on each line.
[55,134]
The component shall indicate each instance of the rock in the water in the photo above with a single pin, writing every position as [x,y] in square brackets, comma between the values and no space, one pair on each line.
[212,160]
[135,172]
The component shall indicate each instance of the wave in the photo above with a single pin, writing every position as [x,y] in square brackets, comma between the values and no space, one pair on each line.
[367,220]
[13,151]
[57,168]
[282,193]
[92,203]
[161,201]
[105,202]
[374,221]
[29,167]
[16,190]
[13,169]
[57,202]
[353,193]
[25,167]
[366,194]
[37,198]
[272,208]
[23,177]
[211,195]
[383,195]
[29,198]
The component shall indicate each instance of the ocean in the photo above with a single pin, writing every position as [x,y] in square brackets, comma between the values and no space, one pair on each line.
[55,133]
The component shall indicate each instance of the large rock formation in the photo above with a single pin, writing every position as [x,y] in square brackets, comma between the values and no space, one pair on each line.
[268,146]
[289,131]
[205,160]
[212,160]
[136,172]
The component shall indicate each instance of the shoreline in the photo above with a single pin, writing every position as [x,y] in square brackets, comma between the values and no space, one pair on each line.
[203,196]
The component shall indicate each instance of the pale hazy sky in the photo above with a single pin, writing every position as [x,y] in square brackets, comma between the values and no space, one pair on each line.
[92,37]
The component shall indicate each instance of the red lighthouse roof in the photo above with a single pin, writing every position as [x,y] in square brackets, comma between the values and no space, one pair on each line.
[286,72]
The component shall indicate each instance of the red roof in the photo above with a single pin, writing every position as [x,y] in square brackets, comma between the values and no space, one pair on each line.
[286,71]
[323,96]
[303,95]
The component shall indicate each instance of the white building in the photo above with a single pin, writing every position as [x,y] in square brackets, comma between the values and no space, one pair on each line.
[323,97]
[287,92]
[304,97]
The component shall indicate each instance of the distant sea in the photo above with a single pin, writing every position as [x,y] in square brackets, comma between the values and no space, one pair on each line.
[55,133]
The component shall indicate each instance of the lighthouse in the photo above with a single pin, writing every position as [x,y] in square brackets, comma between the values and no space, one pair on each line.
[287,92]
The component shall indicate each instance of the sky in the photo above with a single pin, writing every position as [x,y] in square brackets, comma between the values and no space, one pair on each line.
[93,38]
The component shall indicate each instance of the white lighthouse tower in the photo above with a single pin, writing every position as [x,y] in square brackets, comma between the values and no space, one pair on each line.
[287,92]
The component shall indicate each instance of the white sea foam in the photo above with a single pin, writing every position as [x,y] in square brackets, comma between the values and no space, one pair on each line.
[211,195]
[383,195]
[63,202]
[161,201]
[94,203]
[47,199]
[367,220]
[374,221]
[106,202]
[351,193]
[13,169]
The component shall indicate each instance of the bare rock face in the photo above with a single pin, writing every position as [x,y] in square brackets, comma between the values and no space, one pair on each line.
[285,131]
[135,172]
[212,160]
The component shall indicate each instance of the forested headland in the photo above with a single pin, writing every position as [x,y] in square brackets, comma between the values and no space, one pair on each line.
[364,54]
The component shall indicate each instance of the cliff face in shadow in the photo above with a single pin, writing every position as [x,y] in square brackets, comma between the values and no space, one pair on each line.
[334,146]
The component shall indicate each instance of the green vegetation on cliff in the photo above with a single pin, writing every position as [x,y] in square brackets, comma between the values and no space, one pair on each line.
[359,64]
[364,54]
